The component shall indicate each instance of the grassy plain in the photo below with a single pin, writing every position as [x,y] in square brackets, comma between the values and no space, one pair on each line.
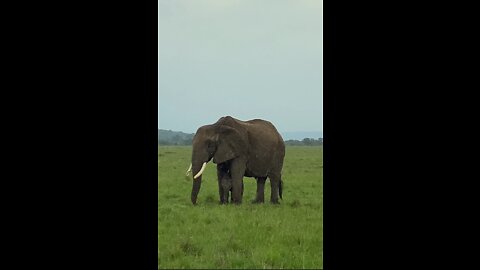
[210,235]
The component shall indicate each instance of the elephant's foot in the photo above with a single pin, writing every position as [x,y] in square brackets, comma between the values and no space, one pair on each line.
[274,201]
[236,202]
[257,201]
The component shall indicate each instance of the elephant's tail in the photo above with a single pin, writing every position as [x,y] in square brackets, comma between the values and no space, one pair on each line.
[280,189]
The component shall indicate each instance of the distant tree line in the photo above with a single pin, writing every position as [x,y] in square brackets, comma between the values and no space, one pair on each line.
[168,137]
[175,141]
[306,141]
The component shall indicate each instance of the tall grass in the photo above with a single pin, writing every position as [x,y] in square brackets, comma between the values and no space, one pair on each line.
[251,236]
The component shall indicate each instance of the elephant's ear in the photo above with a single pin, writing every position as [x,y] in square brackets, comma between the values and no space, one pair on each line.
[230,144]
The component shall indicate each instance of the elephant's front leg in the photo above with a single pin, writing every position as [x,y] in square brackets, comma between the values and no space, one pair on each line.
[260,190]
[237,171]
[243,188]
[237,189]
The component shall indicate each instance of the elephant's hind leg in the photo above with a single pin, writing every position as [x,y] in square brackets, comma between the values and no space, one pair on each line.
[275,184]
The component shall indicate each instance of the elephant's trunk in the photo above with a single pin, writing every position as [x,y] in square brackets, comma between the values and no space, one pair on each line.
[197,169]
[195,189]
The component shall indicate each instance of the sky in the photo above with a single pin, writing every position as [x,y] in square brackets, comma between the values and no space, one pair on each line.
[244,58]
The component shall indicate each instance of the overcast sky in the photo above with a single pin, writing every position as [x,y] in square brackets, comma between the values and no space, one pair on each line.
[244,58]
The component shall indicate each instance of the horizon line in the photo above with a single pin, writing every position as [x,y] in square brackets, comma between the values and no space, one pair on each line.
[297,131]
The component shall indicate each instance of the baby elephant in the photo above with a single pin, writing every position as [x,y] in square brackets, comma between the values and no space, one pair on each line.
[226,183]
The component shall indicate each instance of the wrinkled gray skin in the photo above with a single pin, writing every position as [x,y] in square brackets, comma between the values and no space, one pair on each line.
[240,148]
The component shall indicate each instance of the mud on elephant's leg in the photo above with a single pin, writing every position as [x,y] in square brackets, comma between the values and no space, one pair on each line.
[260,190]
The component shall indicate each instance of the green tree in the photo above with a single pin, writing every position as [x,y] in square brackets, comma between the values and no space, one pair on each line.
[307,141]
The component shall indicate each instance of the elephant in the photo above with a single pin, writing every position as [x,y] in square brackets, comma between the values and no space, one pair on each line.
[252,148]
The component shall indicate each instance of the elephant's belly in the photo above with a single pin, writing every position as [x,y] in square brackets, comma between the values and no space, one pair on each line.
[255,173]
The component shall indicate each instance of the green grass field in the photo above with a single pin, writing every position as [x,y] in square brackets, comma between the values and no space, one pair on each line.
[210,235]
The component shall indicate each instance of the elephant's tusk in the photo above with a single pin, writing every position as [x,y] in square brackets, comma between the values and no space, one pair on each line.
[189,169]
[201,171]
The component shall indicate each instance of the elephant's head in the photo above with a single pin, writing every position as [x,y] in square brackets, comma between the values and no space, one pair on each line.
[220,142]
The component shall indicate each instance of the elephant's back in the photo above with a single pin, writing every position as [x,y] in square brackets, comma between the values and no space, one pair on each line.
[267,148]
[266,130]
[260,122]
[259,131]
